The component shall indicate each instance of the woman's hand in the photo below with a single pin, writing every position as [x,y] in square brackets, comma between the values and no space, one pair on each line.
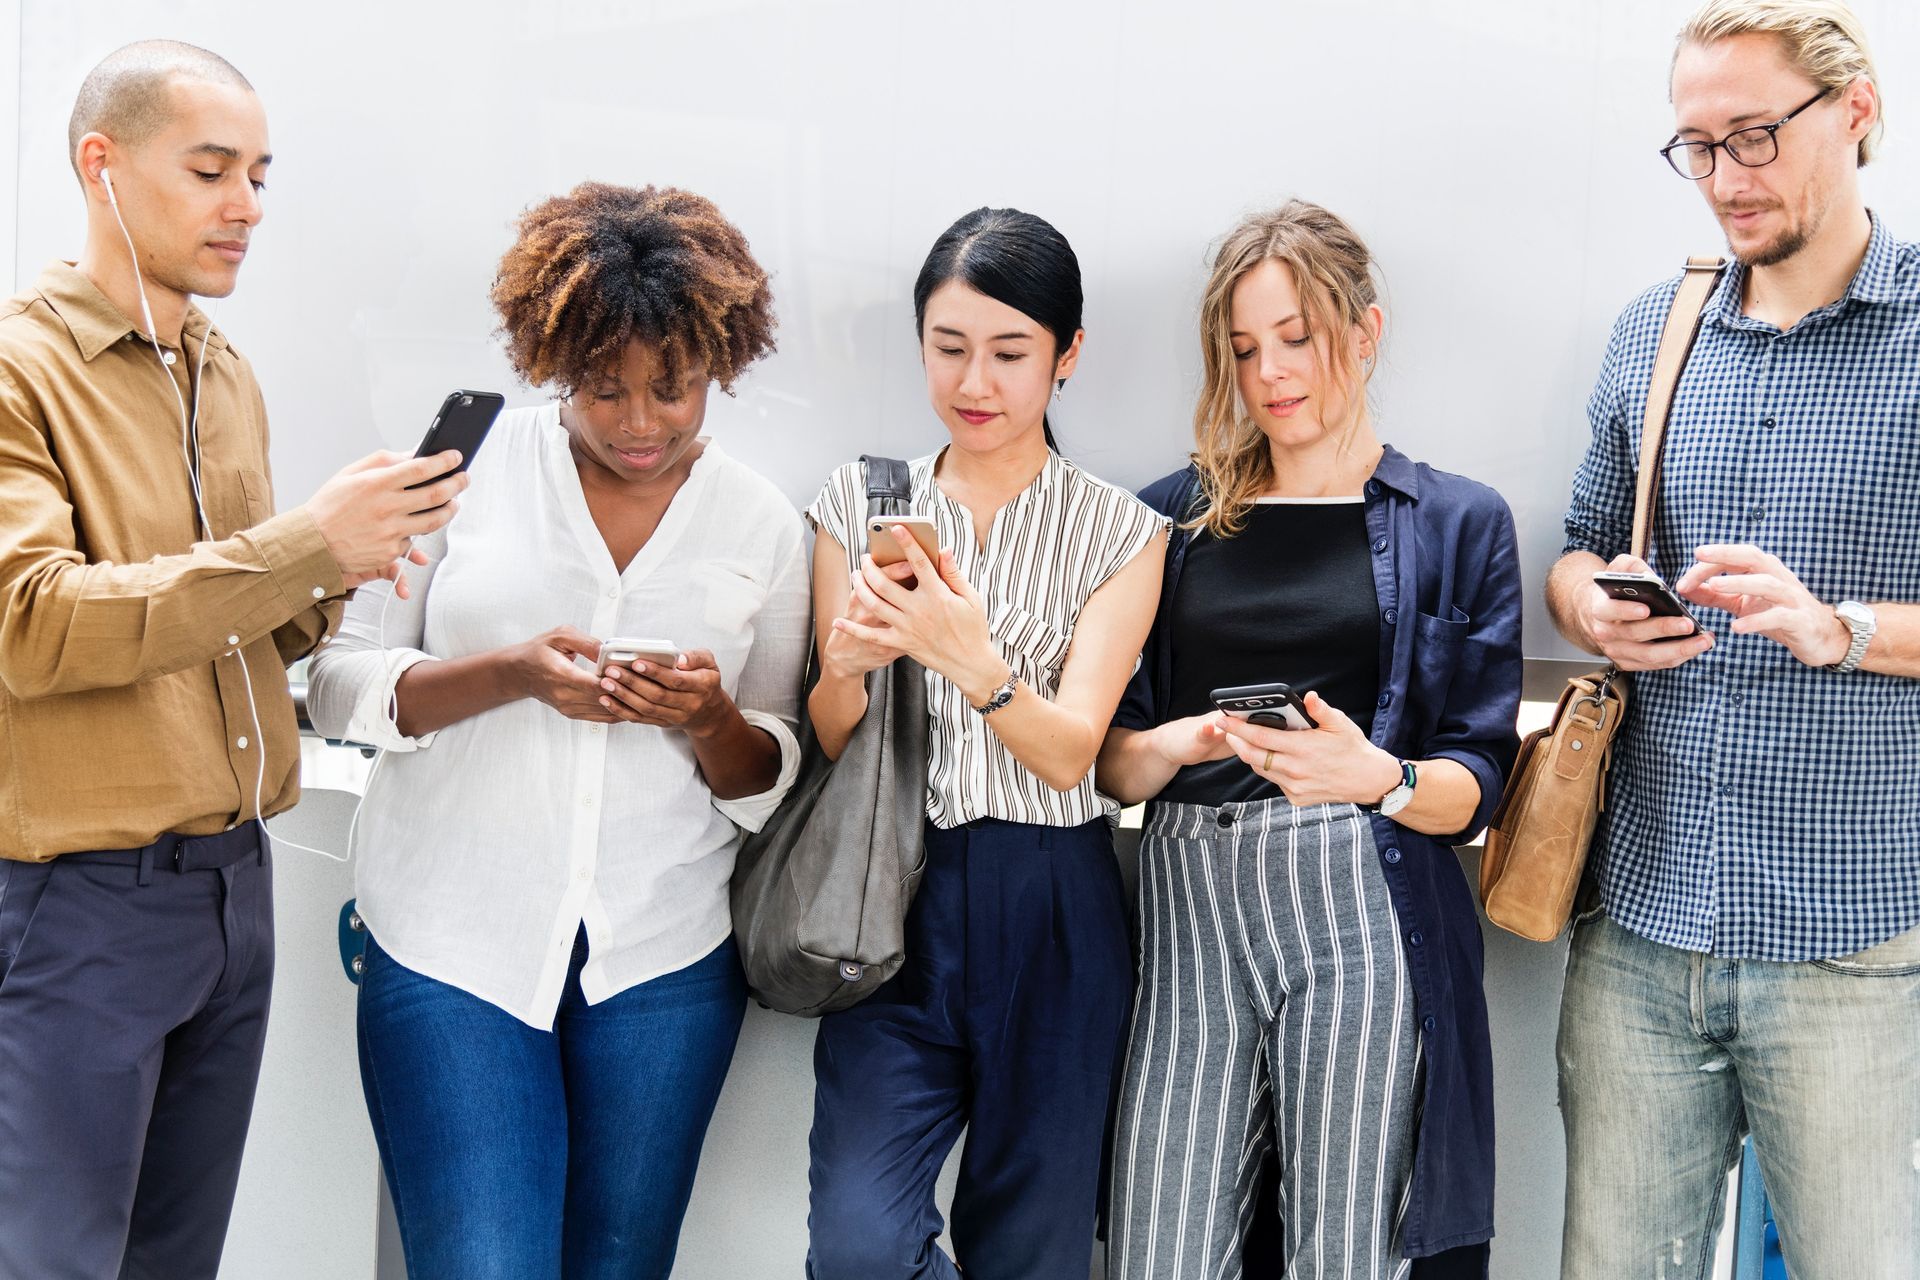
[1333,764]
[543,668]
[686,696]
[1193,739]
[847,655]
[940,621]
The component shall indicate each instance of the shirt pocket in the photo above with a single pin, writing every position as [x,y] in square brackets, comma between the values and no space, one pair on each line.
[1032,643]
[236,499]
[1438,640]
[732,596]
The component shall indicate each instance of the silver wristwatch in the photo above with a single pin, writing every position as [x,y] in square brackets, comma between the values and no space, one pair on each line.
[1863,624]
[1000,697]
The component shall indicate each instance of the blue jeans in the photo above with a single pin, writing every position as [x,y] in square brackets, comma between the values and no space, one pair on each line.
[1667,1057]
[519,1154]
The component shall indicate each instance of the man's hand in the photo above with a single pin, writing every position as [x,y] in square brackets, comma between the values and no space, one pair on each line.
[369,517]
[1627,634]
[1766,599]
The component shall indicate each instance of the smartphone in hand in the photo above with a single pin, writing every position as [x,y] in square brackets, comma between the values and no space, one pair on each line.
[886,550]
[1649,590]
[1275,705]
[624,651]
[464,419]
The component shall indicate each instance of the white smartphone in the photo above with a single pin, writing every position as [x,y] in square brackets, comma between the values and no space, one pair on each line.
[626,650]
[885,550]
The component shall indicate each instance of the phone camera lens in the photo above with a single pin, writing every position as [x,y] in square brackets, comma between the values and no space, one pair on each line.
[1630,591]
[465,401]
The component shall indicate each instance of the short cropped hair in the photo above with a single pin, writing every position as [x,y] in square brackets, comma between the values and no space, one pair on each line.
[604,265]
[126,97]
[1823,38]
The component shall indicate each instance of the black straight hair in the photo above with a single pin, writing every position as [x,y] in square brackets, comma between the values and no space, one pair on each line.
[1014,258]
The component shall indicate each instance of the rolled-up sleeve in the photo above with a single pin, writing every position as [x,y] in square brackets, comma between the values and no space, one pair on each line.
[1477,725]
[769,690]
[1600,512]
[351,681]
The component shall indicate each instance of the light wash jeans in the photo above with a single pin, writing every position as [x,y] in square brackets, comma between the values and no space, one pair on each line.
[1667,1057]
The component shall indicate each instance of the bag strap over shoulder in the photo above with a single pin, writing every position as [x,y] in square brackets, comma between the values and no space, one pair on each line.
[889,485]
[1676,343]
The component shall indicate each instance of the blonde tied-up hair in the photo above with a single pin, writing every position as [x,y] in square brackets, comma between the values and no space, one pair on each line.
[1823,38]
[1333,274]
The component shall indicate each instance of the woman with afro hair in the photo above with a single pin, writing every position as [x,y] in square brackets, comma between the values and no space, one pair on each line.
[551,994]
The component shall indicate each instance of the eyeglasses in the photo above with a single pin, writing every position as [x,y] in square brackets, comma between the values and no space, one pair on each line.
[1752,146]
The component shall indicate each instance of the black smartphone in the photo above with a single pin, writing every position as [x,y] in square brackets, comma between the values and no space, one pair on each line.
[1649,590]
[464,419]
[1274,705]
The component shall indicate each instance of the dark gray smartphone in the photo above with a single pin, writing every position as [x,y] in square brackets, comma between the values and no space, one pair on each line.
[1274,705]
[464,419]
[1649,590]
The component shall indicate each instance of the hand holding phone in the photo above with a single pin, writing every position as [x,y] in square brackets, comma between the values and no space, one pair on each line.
[886,550]
[464,419]
[625,651]
[1647,589]
[1650,629]
[1275,705]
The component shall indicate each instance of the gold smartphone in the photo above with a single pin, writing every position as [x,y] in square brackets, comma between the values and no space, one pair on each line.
[885,550]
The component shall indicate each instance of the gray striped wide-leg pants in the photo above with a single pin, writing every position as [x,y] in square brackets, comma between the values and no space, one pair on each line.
[1274,1007]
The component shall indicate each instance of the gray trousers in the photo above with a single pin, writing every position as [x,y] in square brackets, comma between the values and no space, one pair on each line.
[133,1008]
[1274,1008]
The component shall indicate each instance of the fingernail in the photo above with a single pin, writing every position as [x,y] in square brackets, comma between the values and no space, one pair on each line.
[641,666]
[607,703]
[606,684]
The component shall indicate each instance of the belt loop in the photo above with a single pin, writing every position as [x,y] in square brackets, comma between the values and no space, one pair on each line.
[146,865]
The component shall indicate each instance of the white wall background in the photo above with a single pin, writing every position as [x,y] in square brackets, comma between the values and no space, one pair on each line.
[1498,154]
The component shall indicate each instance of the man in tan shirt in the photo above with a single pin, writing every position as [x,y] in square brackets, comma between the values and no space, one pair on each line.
[149,601]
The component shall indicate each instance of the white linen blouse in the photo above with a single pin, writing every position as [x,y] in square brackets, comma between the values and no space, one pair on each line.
[485,846]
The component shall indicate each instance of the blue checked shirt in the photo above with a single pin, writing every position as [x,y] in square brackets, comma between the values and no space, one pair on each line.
[1757,807]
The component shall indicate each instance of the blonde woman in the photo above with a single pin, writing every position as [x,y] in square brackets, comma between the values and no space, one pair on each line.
[1311,964]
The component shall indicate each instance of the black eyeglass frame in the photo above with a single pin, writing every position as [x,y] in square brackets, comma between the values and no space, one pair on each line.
[1771,130]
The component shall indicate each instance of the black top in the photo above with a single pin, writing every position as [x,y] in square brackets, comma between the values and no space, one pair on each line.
[1290,598]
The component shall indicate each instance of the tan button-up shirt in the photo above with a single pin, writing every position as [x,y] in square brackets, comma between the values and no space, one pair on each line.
[123,714]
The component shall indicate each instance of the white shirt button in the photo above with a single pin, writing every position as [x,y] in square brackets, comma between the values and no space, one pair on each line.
[583,875]
[588,802]
[319,593]
[325,638]
[167,358]
[595,728]
[613,593]
[242,743]
[233,639]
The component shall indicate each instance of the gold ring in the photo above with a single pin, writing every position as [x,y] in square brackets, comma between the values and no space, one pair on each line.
[1267,764]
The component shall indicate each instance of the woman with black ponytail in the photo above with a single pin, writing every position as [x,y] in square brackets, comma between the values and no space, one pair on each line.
[1008,1016]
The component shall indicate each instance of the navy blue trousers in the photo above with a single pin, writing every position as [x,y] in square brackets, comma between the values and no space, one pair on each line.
[133,1008]
[1008,1020]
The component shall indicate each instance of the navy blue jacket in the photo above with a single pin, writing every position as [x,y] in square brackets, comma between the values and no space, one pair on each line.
[1446,572]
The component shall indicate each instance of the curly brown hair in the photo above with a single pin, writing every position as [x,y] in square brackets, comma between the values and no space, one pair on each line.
[603,265]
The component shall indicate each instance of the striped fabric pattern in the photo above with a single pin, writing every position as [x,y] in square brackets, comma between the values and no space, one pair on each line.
[1274,1006]
[1048,550]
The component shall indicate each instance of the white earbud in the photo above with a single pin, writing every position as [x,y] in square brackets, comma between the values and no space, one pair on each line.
[106,180]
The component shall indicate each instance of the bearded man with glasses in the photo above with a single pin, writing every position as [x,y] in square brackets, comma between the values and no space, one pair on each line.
[1749,958]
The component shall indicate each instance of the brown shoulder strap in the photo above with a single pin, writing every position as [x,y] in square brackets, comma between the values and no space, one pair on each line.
[1676,342]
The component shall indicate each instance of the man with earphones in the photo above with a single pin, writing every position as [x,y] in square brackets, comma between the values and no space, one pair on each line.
[149,601]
